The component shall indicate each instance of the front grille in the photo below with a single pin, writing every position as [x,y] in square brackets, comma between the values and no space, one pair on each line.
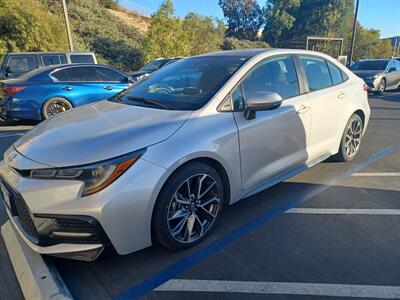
[20,210]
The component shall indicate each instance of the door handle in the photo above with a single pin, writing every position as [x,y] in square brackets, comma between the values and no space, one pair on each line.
[341,95]
[67,88]
[108,88]
[303,109]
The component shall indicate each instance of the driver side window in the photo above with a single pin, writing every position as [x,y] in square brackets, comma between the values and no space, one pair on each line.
[277,75]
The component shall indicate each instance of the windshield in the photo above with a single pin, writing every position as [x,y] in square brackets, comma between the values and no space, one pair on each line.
[187,84]
[154,65]
[369,65]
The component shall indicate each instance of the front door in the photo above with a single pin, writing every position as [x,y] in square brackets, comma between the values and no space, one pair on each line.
[276,140]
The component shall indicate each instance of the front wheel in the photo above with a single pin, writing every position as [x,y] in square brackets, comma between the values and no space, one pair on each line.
[188,206]
[55,106]
[351,139]
[381,87]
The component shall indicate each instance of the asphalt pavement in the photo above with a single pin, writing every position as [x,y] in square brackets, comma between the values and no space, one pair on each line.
[332,231]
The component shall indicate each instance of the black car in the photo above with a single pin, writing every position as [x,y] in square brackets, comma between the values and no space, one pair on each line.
[152,66]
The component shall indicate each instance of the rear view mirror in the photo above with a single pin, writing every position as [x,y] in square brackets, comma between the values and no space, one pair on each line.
[261,101]
[392,69]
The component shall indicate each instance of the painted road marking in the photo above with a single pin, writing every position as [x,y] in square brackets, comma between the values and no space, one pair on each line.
[343,211]
[204,252]
[382,174]
[282,288]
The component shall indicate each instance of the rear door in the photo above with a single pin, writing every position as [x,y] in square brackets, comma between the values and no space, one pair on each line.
[276,140]
[329,93]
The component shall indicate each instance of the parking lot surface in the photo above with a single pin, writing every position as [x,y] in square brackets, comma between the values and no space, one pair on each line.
[332,231]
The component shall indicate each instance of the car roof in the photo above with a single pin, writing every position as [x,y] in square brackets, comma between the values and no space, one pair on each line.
[53,67]
[241,52]
[48,53]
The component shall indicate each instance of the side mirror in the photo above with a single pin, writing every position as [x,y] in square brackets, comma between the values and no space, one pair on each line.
[261,101]
[8,71]
[130,79]
[392,69]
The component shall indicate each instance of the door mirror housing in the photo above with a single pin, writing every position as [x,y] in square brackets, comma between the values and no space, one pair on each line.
[392,69]
[261,101]
[129,79]
[8,71]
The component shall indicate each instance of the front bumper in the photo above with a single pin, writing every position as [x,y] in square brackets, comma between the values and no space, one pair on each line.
[77,227]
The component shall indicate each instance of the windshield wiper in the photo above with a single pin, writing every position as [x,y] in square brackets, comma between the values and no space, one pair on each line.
[149,101]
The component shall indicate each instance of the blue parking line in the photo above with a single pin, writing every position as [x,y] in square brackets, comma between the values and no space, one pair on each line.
[189,261]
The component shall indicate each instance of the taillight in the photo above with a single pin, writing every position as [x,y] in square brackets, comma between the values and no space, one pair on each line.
[12,90]
[365,87]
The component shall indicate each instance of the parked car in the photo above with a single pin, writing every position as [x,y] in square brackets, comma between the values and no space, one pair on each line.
[158,162]
[16,64]
[152,66]
[379,74]
[45,92]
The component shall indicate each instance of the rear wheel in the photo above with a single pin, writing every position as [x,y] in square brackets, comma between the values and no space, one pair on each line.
[351,139]
[55,106]
[188,206]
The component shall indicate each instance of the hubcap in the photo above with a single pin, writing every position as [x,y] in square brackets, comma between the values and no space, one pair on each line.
[193,208]
[353,138]
[56,107]
[382,87]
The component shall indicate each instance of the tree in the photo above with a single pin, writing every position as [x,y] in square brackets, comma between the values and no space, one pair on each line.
[369,45]
[233,44]
[26,25]
[328,18]
[202,34]
[278,18]
[244,18]
[165,33]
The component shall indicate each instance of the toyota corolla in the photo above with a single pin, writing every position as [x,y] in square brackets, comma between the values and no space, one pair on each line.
[162,159]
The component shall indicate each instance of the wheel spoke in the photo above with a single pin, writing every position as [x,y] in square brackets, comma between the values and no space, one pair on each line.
[181,225]
[179,214]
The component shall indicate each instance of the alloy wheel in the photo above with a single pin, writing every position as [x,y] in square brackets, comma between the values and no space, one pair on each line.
[194,208]
[56,107]
[353,137]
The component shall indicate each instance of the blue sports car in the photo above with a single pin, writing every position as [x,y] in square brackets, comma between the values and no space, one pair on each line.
[42,93]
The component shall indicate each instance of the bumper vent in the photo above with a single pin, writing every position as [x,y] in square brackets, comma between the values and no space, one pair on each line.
[20,210]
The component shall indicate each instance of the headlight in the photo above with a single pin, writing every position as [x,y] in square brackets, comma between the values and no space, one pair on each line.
[372,77]
[95,177]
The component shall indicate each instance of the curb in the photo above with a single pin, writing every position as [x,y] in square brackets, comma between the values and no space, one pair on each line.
[37,276]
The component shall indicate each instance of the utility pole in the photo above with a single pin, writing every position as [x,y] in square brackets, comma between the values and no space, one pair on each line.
[353,38]
[71,46]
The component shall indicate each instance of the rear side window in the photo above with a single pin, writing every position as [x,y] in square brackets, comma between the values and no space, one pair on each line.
[81,59]
[49,60]
[76,74]
[336,74]
[109,75]
[317,72]
[20,64]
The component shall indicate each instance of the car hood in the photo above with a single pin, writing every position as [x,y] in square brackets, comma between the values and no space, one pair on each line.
[97,132]
[366,74]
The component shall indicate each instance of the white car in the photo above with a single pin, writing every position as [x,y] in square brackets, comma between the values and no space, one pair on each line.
[158,162]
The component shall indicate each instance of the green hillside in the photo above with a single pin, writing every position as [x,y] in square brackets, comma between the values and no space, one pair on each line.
[38,25]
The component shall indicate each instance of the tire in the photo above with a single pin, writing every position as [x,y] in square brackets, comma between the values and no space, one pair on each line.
[351,139]
[55,106]
[381,87]
[175,213]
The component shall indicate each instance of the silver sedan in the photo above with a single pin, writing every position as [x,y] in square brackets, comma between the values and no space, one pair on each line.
[161,160]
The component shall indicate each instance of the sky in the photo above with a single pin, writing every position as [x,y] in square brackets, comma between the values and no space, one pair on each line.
[379,14]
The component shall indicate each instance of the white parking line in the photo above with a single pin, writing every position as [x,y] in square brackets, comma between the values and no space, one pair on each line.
[343,211]
[282,288]
[382,174]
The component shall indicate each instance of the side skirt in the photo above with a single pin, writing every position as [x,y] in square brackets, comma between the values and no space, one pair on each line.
[286,175]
